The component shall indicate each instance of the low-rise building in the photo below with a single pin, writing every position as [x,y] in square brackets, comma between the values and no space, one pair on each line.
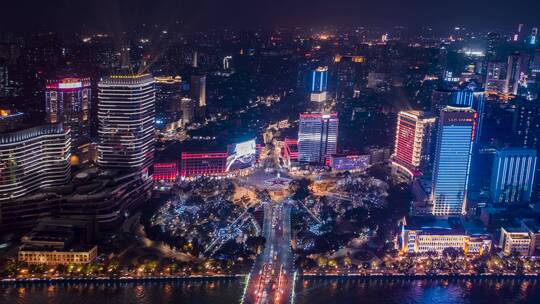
[515,240]
[349,162]
[428,234]
[83,254]
[533,227]
[57,241]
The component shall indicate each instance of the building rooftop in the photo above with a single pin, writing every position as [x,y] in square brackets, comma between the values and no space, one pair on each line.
[432,225]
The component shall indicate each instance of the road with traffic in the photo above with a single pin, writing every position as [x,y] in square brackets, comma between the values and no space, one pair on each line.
[271,280]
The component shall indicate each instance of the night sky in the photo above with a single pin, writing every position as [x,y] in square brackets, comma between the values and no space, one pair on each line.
[113,15]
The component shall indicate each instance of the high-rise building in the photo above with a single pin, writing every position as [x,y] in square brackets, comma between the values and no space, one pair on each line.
[68,100]
[319,84]
[527,132]
[512,175]
[413,140]
[319,80]
[4,78]
[516,72]
[198,89]
[34,158]
[168,94]
[455,137]
[349,73]
[493,43]
[317,137]
[527,124]
[535,63]
[534,36]
[126,117]
[518,36]
[496,77]
[470,94]
[187,107]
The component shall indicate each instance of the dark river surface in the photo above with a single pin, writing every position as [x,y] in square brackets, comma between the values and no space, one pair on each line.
[308,291]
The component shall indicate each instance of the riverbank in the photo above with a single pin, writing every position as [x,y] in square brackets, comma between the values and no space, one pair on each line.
[421,276]
[306,275]
[119,279]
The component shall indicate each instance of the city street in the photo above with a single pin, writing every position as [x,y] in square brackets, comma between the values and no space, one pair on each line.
[271,277]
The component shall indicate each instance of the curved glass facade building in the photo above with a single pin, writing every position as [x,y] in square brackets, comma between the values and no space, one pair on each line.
[33,159]
[126,118]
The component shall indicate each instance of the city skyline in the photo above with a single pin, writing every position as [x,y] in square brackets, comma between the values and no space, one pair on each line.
[261,152]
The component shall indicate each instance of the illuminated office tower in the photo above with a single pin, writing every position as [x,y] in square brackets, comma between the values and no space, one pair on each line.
[317,137]
[319,84]
[512,175]
[413,138]
[470,94]
[198,89]
[474,96]
[68,100]
[126,117]
[455,137]
[33,159]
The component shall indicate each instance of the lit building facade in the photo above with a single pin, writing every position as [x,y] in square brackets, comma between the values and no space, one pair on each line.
[496,77]
[68,101]
[187,107]
[319,84]
[349,162]
[290,152]
[515,241]
[126,116]
[168,94]
[526,127]
[513,175]
[198,89]
[455,138]
[317,137]
[319,80]
[413,139]
[470,94]
[165,172]
[10,120]
[33,159]
[427,235]
[39,256]
[203,164]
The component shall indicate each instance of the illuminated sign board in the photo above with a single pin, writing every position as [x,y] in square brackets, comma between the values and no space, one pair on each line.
[70,85]
[242,155]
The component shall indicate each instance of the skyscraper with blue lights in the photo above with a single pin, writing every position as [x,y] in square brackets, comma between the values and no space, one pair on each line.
[319,80]
[456,134]
[512,175]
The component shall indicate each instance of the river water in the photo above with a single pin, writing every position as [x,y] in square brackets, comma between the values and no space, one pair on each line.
[308,291]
